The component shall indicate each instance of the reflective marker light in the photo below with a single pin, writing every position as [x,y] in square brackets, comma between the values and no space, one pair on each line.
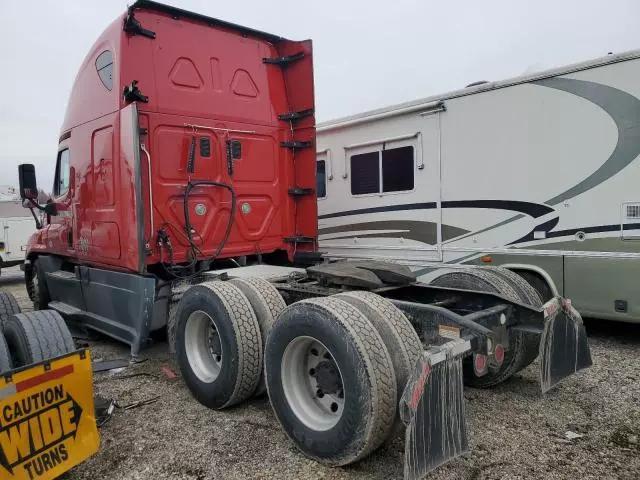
[480,364]
[499,354]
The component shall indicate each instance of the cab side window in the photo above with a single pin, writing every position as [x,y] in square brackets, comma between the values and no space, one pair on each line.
[63,168]
[104,66]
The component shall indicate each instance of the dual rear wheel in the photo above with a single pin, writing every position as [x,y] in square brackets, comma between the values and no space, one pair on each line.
[334,367]
[523,347]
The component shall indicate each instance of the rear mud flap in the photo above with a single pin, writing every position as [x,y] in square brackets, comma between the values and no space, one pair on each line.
[433,410]
[564,348]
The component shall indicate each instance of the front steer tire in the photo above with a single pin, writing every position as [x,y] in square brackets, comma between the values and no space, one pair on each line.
[37,287]
[365,374]
[222,365]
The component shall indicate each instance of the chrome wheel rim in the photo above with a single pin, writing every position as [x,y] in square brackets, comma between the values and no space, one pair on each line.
[203,346]
[312,383]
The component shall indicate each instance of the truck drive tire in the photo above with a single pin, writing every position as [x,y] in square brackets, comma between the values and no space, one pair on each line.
[537,283]
[267,303]
[218,344]
[396,332]
[8,306]
[530,296]
[484,280]
[330,380]
[37,336]
[5,358]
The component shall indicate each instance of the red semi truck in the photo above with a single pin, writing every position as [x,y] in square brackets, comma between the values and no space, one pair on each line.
[184,198]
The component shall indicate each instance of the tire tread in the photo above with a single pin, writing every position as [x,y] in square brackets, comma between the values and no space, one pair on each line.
[8,306]
[381,374]
[45,334]
[267,303]
[248,337]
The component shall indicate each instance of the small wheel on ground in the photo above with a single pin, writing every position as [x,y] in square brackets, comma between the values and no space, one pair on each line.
[396,332]
[484,280]
[330,380]
[267,303]
[8,306]
[5,358]
[37,336]
[36,287]
[218,344]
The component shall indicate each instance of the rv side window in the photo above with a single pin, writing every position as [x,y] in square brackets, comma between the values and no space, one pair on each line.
[61,185]
[397,169]
[104,66]
[365,173]
[321,179]
[393,167]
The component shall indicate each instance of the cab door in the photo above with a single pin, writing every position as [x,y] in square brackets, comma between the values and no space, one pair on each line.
[59,233]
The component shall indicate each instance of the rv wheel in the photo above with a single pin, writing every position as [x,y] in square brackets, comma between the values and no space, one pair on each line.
[218,344]
[330,380]
[396,332]
[267,303]
[483,280]
[37,336]
[8,306]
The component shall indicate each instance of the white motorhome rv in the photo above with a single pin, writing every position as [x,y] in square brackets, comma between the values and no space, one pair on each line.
[16,225]
[540,170]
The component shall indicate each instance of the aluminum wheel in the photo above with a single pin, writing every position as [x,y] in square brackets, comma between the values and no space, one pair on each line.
[203,347]
[312,383]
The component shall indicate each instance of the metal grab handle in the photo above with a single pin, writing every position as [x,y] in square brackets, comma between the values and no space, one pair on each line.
[143,148]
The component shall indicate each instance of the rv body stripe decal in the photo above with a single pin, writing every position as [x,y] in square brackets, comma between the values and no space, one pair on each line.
[624,110]
[388,208]
[421,231]
[534,210]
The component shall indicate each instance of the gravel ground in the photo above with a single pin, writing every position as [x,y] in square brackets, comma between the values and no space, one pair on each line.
[515,431]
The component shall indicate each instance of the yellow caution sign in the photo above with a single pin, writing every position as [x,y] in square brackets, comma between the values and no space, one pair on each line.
[47,418]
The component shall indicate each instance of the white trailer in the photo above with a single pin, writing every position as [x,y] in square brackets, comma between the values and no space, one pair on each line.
[16,225]
[540,170]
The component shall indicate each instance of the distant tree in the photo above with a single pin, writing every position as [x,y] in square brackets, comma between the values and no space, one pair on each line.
[43,196]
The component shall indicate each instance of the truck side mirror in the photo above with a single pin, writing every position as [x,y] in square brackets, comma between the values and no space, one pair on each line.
[27,179]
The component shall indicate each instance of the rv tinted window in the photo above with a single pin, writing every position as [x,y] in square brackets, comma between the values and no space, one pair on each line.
[104,65]
[61,185]
[321,179]
[365,173]
[397,169]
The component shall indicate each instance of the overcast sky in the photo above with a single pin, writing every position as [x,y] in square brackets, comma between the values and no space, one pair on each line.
[368,53]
